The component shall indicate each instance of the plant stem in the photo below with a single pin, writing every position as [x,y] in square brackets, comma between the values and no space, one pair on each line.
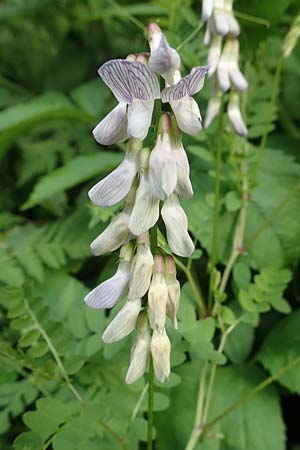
[54,352]
[190,36]
[253,392]
[139,402]
[274,95]
[253,19]
[215,234]
[199,410]
[150,404]
[195,288]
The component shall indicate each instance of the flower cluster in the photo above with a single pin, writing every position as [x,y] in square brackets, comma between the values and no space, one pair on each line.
[223,60]
[146,276]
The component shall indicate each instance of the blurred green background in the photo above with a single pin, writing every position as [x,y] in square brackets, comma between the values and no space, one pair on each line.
[50,349]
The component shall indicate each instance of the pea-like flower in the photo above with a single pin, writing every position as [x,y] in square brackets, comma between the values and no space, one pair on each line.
[136,87]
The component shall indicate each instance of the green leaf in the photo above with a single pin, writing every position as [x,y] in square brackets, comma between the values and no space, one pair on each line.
[257,424]
[48,416]
[280,347]
[79,169]
[28,441]
[17,119]
[239,343]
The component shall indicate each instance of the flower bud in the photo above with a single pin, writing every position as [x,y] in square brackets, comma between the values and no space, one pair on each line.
[173,287]
[220,19]
[160,351]
[140,350]
[158,295]
[108,293]
[235,115]
[233,25]
[141,269]
[228,70]
[162,166]
[213,107]
[176,224]
[207,8]
[163,58]
[214,54]
[124,322]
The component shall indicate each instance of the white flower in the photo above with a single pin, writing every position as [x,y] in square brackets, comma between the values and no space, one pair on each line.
[114,235]
[228,70]
[160,350]
[163,58]
[214,53]
[183,187]
[176,224]
[214,104]
[140,351]
[145,212]
[124,322]
[108,293]
[158,295]
[179,96]
[136,87]
[115,186]
[141,269]
[162,165]
[173,287]
[207,9]
[235,115]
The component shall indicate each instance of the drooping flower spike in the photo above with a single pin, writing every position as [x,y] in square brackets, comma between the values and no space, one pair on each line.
[144,179]
[223,60]
[136,87]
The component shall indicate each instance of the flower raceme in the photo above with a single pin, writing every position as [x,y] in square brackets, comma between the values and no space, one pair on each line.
[223,61]
[145,180]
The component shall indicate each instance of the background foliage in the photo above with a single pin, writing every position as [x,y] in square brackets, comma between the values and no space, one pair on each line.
[60,388]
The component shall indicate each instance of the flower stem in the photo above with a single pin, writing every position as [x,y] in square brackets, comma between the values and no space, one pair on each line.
[190,36]
[275,91]
[253,392]
[215,234]
[150,404]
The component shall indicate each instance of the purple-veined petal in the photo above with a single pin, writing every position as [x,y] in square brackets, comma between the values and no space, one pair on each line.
[145,212]
[162,168]
[207,8]
[130,80]
[139,118]
[113,128]
[176,224]
[115,186]
[123,323]
[235,115]
[184,187]
[108,293]
[187,86]
[187,115]
[114,235]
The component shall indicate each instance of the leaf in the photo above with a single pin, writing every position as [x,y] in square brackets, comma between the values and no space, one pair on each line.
[48,416]
[17,119]
[239,343]
[79,169]
[280,347]
[255,425]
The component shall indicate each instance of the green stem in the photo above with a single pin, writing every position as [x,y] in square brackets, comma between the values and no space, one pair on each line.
[199,410]
[253,392]
[195,288]
[254,19]
[150,404]
[190,36]
[273,100]
[123,12]
[54,352]
[215,233]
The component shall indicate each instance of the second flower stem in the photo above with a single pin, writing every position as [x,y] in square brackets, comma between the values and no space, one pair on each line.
[150,404]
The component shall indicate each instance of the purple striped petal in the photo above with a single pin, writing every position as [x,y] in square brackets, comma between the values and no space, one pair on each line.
[130,80]
[187,86]
[113,128]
